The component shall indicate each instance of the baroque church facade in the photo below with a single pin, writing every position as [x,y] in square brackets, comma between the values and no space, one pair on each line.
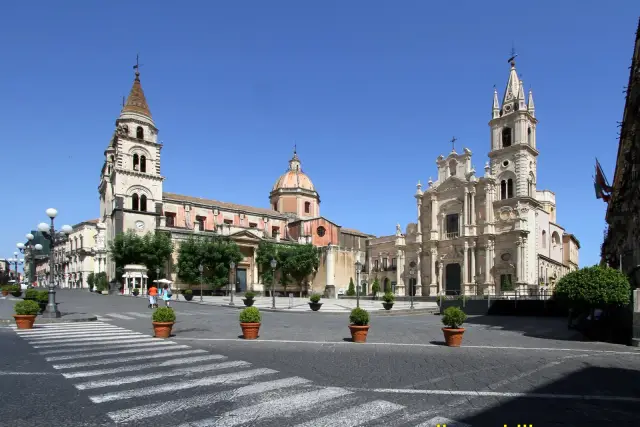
[132,198]
[483,234]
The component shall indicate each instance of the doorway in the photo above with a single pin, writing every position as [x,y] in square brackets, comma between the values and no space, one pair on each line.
[412,287]
[241,280]
[452,279]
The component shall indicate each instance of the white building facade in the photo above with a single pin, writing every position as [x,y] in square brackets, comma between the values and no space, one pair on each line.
[492,233]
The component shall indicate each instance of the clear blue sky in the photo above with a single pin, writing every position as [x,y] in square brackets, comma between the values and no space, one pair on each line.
[371,92]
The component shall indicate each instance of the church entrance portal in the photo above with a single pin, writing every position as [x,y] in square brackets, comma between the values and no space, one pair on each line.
[412,287]
[452,279]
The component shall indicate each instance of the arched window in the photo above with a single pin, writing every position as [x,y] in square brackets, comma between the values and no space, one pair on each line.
[555,239]
[143,203]
[544,239]
[509,188]
[529,137]
[125,128]
[307,207]
[135,202]
[275,206]
[506,137]
[503,189]
[143,164]
[452,167]
[136,162]
[140,132]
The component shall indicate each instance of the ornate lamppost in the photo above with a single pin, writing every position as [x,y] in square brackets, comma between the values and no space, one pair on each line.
[48,231]
[232,266]
[201,270]
[23,250]
[273,264]
[358,268]
[15,261]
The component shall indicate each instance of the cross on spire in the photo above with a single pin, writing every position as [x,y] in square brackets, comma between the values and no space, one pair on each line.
[453,143]
[512,59]
[137,66]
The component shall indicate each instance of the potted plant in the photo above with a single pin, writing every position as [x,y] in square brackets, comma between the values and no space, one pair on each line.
[248,298]
[187,294]
[314,302]
[26,312]
[453,318]
[250,323]
[359,324]
[388,299]
[136,292]
[16,291]
[31,294]
[5,290]
[42,298]
[163,319]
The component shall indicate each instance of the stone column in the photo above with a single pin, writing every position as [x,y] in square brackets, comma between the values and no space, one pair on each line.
[465,211]
[523,258]
[419,273]
[518,260]
[465,268]
[473,206]
[434,213]
[473,266]
[487,263]
[400,285]
[433,286]
[330,286]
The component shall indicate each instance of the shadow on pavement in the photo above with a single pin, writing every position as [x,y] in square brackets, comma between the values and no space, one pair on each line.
[550,408]
[554,328]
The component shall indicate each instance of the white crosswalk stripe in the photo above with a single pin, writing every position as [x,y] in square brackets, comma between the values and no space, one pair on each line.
[119,316]
[123,371]
[139,315]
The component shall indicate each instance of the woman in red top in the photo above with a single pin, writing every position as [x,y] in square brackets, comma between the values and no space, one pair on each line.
[153,292]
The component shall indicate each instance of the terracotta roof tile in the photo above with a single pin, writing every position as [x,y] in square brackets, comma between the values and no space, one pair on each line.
[136,102]
[218,204]
[354,231]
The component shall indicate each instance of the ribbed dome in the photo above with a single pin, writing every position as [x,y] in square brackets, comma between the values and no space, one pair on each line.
[294,177]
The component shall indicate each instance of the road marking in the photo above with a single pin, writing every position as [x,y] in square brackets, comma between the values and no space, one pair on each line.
[121,340]
[28,373]
[102,319]
[67,330]
[442,422]
[119,316]
[359,415]
[92,337]
[140,315]
[123,359]
[71,332]
[273,408]
[155,375]
[60,337]
[172,406]
[182,385]
[97,347]
[135,368]
[489,347]
[475,393]
[109,353]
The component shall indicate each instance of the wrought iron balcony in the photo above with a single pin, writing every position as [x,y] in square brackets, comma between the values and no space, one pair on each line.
[452,235]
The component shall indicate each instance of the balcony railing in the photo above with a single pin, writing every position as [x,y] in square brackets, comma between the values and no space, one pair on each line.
[452,235]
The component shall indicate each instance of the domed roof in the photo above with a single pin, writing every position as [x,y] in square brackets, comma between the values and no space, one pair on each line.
[294,177]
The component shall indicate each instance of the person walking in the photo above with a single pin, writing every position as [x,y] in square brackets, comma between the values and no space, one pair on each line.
[153,292]
[166,295]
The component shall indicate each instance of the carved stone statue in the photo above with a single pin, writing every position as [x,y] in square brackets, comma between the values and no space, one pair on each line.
[101,226]
[398,230]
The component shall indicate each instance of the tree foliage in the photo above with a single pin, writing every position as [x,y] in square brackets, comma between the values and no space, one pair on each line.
[351,291]
[375,288]
[594,287]
[91,280]
[151,250]
[214,253]
[295,262]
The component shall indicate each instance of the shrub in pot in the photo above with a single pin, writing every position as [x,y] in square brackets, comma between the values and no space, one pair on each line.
[136,292]
[163,319]
[453,318]
[187,294]
[248,298]
[31,294]
[42,298]
[26,312]
[16,291]
[388,299]
[359,324]
[314,302]
[250,323]
[5,290]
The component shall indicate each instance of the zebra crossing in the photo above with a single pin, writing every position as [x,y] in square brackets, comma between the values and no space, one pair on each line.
[134,315]
[127,373]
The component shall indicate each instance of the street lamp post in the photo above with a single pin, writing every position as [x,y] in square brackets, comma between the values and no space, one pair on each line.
[412,272]
[201,269]
[49,233]
[23,250]
[15,261]
[232,266]
[273,264]
[358,268]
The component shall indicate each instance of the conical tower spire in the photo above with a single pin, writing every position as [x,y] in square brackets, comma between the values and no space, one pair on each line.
[496,104]
[136,103]
[530,105]
[521,101]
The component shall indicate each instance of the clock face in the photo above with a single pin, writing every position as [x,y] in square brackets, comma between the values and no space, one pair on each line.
[140,225]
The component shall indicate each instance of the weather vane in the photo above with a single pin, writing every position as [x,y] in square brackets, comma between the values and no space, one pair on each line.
[512,59]
[453,143]
[138,65]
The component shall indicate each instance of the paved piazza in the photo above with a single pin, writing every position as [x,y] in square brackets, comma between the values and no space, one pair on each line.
[303,371]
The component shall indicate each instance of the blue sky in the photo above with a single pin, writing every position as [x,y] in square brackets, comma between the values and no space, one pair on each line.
[370,91]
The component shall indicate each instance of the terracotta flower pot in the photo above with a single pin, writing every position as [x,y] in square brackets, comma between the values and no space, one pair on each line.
[453,337]
[250,330]
[162,329]
[5,293]
[25,321]
[359,333]
[315,306]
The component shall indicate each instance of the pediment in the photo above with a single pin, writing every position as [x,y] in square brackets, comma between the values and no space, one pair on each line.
[246,235]
[451,183]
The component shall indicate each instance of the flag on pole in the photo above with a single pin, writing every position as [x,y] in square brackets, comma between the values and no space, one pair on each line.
[601,185]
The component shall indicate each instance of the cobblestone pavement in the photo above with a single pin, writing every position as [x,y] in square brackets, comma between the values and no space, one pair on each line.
[303,371]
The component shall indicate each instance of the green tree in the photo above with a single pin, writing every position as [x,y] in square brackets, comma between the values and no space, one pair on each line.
[351,291]
[300,262]
[594,287]
[375,288]
[214,253]
[264,254]
[91,280]
[151,250]
[101,282]
[157,250]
